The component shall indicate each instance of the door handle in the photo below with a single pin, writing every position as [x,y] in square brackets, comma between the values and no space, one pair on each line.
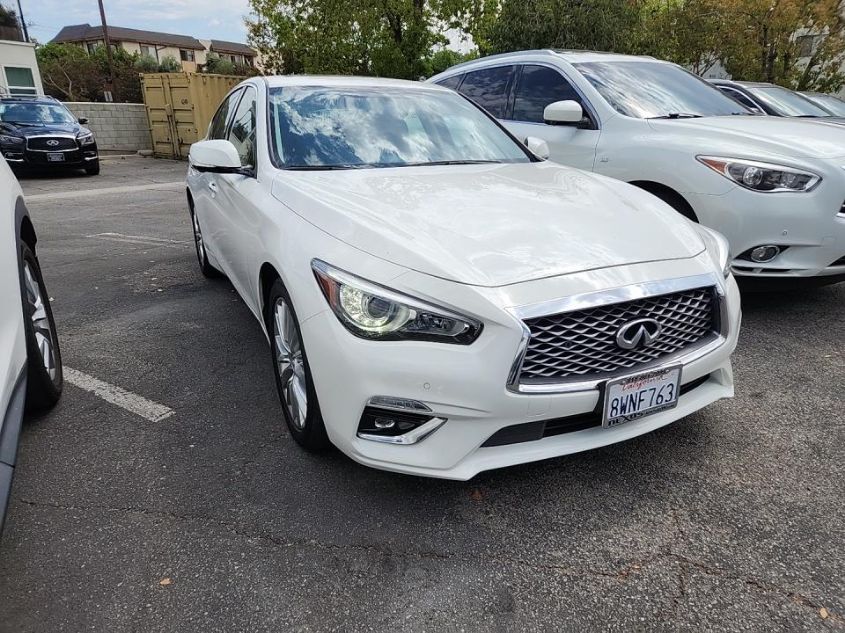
[213,186]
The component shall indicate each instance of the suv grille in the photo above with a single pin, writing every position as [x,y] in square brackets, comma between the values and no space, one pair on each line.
[44,143]
[582,343]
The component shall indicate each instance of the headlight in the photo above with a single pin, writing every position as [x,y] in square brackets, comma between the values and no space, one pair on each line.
[717,247]
[374,312]
[764,177]
[5,139]
[86,139]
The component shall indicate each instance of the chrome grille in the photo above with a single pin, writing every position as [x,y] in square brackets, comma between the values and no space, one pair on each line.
[43,143]
[582,343]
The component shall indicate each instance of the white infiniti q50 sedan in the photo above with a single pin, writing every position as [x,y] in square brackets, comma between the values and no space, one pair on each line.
[438,299]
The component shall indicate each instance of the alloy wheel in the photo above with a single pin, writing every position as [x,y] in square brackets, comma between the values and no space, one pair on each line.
[40,321]
[290,363]
[198,238]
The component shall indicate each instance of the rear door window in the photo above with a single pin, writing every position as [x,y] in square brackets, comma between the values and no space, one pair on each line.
[489,88]
[451,82]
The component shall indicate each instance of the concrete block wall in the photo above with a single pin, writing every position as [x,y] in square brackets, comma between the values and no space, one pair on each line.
[119,127]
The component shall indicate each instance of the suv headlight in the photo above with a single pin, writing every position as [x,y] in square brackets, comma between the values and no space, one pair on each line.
[763,177]
[5,139]
[374,312]
[717,247]
[86,139]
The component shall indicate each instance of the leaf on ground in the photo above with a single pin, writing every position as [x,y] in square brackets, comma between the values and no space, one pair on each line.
[476,495]
[824,614]
[164,582]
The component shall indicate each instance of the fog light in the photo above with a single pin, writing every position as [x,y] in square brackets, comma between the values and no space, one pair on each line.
[397,427]
[763,254]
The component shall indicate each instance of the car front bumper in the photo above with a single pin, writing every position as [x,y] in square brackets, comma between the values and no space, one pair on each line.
[75,159]
[467,385]
[810,225]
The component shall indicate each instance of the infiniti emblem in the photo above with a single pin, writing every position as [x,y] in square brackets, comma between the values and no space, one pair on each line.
[639,333]
[52,143]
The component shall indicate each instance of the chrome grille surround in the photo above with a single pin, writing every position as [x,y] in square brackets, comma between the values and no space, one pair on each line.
[692,311]
[40,143]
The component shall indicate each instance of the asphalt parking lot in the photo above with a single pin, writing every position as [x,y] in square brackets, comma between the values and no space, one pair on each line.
[195,511]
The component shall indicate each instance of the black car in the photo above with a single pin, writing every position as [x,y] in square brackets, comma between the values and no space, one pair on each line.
[40,132]
[773,100]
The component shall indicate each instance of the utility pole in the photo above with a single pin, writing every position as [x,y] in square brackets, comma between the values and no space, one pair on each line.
[112,88]
[23,22]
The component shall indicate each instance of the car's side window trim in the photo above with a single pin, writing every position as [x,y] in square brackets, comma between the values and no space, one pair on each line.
[589,110]
[231,120]
[229,114]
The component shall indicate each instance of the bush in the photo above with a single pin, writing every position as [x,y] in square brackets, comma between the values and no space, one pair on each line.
[170,65]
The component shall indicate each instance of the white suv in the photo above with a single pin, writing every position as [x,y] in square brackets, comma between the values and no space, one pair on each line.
[774,187]
[30,362]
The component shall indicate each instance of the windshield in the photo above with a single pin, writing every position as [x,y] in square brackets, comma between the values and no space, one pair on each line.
[650,90]
[829,102]
[35,113]
[344,128]
[786,102]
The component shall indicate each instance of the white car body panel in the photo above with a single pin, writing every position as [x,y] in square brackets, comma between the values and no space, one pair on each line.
[12,336]
[411,229]
[811,224]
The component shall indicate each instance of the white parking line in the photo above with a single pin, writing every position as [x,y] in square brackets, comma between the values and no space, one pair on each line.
[113,394]
[141,239]
[178,185]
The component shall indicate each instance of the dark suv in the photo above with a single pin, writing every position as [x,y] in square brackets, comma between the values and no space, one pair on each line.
[41,132]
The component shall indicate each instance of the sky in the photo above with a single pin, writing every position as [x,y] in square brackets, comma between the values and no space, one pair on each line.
[203,19]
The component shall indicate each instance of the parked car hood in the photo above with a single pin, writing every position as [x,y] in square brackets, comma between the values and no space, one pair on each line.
[40,129]
[490,225]
[809,138]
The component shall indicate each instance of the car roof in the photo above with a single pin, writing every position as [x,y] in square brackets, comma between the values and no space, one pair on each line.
[346,81]
[44,100]
[571,56]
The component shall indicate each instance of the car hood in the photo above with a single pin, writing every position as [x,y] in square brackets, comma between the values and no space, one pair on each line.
[490,225]
[40,129]
[810,138]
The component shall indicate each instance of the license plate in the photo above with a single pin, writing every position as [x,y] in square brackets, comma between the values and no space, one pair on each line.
[55,157]
[635,397]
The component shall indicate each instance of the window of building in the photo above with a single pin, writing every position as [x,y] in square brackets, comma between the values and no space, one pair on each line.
[146,50]
[91,46]
[187,55]
[20,81]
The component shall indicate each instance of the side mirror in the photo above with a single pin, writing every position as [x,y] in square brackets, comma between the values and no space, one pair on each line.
[563,113]
[82,120]
[538,147]
[218,156]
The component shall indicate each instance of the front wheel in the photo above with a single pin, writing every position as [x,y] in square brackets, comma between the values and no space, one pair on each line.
[293,375]
[202,255]
[44,359]
[94,169]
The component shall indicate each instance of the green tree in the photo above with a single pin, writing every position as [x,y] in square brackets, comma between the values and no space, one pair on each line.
[169,64]
[69,73]
[215,64]
[367,37]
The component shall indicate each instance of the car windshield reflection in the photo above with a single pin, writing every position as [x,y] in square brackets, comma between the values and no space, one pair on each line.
[648,90]
[314,128]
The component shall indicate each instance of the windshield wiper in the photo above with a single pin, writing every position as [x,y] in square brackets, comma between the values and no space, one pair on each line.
[677,115]
[324,167]
[447,162]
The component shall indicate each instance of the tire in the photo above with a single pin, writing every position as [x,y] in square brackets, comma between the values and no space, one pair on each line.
[293,378]
[45,378]
[93,170]
[206,268]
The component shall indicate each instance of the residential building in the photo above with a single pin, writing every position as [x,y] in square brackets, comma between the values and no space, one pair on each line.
[189,51]
[18,68]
